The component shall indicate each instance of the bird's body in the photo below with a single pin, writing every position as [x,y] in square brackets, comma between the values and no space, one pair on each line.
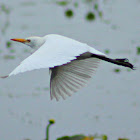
[71,63]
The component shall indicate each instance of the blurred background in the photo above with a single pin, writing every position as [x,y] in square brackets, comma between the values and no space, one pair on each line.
[109,104]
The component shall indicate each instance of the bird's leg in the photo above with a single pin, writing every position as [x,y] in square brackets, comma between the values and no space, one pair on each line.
[123,62]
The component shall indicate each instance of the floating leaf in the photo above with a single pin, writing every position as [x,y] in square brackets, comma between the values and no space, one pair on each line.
[117,70]
[100,14]
[69,13]
[62,3]
[64,138]
[104,137]
[75,137]
[9,57]
[88,138]
[8,44]
[107,51]
[5,9]
[76,4]
[12,51]
[90,16]
[96,6]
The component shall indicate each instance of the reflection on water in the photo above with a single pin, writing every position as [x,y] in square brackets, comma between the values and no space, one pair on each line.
[110,102]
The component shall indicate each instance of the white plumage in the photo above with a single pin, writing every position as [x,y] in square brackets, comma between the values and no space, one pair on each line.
[70,62]
[56,51]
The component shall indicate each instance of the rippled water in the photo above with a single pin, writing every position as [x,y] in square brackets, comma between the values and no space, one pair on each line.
[108,105]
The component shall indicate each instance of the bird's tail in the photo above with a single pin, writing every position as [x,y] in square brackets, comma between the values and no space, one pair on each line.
[123,61]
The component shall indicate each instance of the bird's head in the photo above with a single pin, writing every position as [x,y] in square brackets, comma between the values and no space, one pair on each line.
[33,42]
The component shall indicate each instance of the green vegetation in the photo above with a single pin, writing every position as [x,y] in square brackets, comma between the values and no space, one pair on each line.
[107,51]
[11,51]
[76,4]
[82,137]
[8,44]
[69,13]
[9,47]
[100,14]
[51,121]
[138,50]
[4,9]
[90,16]
[62,3]
[78,137]
[117,70]
[9,57]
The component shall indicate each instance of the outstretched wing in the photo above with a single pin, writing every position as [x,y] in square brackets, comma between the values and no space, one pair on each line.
[56,51]
[70,77]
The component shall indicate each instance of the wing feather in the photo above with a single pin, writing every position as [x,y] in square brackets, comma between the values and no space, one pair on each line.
[56,51]
[70,77]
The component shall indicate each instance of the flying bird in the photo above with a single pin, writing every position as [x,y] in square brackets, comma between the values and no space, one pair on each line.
[71,63]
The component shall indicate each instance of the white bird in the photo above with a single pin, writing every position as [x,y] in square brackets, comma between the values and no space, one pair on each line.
[71,63]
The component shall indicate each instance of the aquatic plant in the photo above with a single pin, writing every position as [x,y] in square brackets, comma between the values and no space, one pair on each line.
[138,50]
[94,7]
[51,122]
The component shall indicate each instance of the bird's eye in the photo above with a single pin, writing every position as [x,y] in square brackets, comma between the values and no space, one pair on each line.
[28,40]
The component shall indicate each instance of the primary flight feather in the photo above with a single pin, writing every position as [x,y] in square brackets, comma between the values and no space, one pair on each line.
[71,63]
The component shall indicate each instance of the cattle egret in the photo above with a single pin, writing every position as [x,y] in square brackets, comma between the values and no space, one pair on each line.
[71,63]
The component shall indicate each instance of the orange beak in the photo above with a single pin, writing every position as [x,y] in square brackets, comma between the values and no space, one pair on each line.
[19,40]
